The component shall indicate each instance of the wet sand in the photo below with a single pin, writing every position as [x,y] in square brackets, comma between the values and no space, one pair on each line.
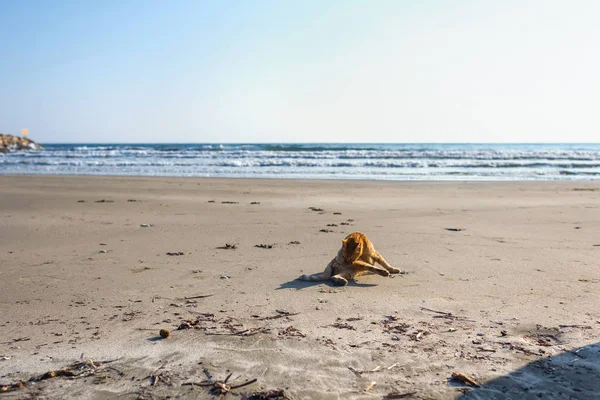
[502,285]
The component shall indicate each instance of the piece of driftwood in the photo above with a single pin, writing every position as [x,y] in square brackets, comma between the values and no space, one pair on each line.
[76,370]
[398,395]
[280,314]
[467,380]
[447,315]
[575,326]
[200,296]
[359,372]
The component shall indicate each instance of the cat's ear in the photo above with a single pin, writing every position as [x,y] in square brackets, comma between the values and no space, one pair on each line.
[344,241]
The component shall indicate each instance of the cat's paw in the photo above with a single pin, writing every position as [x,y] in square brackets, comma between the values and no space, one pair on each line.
[394,270]
[384,273]
[339,281]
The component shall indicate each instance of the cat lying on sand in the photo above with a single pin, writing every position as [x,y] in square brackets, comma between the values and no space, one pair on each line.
[356,256]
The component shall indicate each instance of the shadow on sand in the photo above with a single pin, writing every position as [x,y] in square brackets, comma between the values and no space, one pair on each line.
[299,285]
[570,375]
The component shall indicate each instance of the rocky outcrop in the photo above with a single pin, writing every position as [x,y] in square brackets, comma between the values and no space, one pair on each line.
[12,143]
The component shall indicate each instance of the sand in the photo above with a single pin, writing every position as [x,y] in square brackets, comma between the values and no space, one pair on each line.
[502,285]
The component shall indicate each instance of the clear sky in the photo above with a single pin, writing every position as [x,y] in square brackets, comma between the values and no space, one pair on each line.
[301,71]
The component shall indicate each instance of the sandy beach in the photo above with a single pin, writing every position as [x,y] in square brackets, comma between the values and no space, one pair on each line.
[502,285]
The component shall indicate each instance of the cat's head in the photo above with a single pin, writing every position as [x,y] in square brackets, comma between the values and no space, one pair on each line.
[351,249]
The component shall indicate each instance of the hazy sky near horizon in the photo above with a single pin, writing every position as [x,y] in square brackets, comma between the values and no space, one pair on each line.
[301,71]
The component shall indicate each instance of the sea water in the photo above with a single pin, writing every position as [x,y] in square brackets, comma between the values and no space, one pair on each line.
[315,161]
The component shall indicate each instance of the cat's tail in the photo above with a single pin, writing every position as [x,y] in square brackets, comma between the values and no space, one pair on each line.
[321,276]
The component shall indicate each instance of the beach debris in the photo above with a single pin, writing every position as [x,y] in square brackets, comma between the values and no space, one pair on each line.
[575,326]
[188,324]
[104,201]
[326,230]
[517,347]
[390,326]
[164,376]
[145,225]
[344,223]
[255,202]
[455,229]
[503,333]
[164,333]
[210,201]
[331,224]
[76,370]
[337,213]
[350,220]
[81,201]
[219,388]
[230,202]
[342,325]
[264,246]
[447,315]
[21,339]
[467,380]
[228,246]
[280,314]
[225,277]
[273,394]
[543,339]
[359,372]
[371,386]
[398,395]
[131,200]
[315,209]
[294,242]
[179,253]
[245,332]
[200,296]
[103,252]
[291,331]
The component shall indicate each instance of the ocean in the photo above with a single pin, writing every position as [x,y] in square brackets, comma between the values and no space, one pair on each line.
[506,162]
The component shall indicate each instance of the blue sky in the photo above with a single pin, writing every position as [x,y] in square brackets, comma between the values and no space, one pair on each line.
[302,71]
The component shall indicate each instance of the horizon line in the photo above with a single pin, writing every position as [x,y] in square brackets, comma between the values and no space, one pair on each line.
[303,143]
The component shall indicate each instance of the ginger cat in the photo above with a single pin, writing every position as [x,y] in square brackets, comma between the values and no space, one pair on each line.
[356,256]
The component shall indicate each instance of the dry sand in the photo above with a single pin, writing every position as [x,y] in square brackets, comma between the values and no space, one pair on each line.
[84,280]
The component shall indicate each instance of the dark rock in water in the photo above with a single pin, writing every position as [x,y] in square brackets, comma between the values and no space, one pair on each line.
[9,143]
